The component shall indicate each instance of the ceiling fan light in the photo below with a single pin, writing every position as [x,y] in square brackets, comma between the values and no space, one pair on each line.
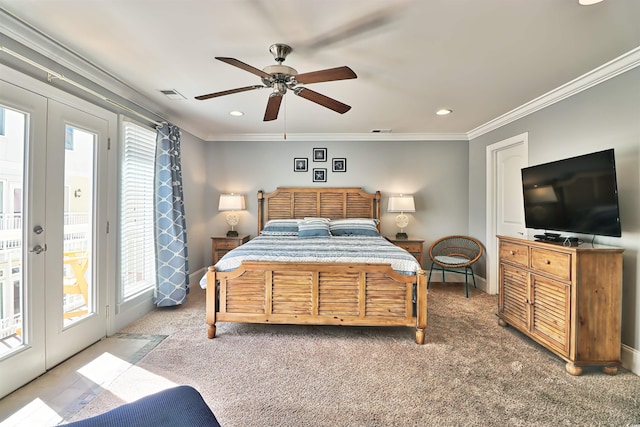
[236,113]
[588,2]
[443,112]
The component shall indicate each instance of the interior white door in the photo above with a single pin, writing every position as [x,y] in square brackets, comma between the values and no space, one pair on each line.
[505,209]
[510,206]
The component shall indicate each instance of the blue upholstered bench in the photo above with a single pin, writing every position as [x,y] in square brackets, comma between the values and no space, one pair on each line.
[179,406]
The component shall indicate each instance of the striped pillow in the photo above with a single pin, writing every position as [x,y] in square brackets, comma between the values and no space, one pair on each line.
[313,228]
[281,227]
[354,227]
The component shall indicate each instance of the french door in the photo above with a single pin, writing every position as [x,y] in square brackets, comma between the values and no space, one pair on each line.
[53,226]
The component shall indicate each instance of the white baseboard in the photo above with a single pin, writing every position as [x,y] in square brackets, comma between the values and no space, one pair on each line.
[436,276]
[194,278]
[631,359]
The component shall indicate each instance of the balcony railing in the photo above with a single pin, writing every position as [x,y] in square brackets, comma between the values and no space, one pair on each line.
[10,325]
[12,221]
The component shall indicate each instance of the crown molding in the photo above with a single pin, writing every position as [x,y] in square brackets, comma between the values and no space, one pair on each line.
[617,66]
[323,137]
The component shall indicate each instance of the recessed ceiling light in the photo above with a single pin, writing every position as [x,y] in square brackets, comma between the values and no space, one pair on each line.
[236,113]
[588,2]
[444,111]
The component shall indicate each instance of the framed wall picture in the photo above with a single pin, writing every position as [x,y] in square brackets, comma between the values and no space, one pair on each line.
[319,154]
[300,164]
[320,175]
[339,165]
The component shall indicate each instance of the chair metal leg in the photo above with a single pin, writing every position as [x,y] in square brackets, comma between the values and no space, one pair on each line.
[466,282]
[429,279]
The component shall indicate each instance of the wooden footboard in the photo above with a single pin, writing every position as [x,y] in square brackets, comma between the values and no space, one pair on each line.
[317,294]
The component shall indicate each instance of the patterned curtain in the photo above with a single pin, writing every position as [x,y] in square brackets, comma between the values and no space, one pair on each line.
[172,275]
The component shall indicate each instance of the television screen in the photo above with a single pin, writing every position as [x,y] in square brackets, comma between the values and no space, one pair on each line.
[578,194]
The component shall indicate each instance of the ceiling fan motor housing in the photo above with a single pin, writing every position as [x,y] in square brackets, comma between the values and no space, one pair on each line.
[280,51]
[281,76]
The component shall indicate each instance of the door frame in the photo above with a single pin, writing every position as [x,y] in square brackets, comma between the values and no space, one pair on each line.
[491,241]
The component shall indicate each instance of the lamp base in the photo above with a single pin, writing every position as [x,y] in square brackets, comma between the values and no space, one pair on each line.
[232,233]
[401,236]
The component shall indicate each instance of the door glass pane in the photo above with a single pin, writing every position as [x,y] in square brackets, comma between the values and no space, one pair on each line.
[78,223]
[12,148]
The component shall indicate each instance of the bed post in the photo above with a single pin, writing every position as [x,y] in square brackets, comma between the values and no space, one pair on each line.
[377,207]
[260,209]
[421,306]
[211,302]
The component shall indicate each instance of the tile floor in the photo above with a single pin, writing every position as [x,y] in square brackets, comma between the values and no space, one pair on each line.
[62,391]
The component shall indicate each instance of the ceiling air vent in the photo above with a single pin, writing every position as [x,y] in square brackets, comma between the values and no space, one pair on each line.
[172,94]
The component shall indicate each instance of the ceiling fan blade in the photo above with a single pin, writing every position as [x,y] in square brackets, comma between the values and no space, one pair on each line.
[329,75]
[246,67]
[323,100]
[228,92]
[367,23]
[273,106]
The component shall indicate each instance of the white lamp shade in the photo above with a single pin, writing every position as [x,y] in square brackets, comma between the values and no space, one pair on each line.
[401,203]
[231,202]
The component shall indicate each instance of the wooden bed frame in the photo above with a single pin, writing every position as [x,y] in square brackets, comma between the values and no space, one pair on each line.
[317,293]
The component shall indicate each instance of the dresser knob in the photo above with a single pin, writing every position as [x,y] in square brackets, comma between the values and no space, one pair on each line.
[512,252]
[547,262]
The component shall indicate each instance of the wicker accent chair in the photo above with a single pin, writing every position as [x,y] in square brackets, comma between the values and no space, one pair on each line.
[455,254]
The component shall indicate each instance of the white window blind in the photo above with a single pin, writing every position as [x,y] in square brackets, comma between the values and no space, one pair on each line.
[137,252]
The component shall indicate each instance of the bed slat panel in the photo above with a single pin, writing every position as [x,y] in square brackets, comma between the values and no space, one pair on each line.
[338,294]
[385,296]
[245,294]
[292,292]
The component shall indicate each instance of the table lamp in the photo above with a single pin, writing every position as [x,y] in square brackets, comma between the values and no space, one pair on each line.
[231,203]
[401,203]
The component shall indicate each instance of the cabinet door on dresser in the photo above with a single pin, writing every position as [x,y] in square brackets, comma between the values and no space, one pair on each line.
[550,313]
[513,302]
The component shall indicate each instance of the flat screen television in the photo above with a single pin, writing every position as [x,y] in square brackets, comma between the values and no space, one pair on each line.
[578,195]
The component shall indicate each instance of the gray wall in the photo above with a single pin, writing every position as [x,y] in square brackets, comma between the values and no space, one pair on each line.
[605,116]
[434,171]
[193,179]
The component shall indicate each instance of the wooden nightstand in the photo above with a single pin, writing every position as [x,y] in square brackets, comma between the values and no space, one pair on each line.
[222,245]
[412,245]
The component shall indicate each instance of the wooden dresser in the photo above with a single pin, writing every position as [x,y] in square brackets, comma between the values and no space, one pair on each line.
[568,299]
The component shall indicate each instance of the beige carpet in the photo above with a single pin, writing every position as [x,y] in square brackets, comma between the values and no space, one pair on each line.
[471,372]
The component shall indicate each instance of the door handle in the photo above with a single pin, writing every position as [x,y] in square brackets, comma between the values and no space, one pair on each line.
[38,229]
[37,249]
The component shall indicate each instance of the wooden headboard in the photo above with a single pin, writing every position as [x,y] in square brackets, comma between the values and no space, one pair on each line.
[301,202]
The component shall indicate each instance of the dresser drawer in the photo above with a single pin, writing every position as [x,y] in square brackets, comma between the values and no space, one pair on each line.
[557,264]
[514,253]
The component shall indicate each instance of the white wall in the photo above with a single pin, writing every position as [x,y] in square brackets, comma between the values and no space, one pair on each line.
[604,116]
[436,172]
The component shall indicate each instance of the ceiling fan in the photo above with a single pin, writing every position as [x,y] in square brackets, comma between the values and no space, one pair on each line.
[281,77]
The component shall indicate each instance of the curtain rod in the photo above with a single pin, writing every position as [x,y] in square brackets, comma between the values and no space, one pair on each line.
[55,75]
